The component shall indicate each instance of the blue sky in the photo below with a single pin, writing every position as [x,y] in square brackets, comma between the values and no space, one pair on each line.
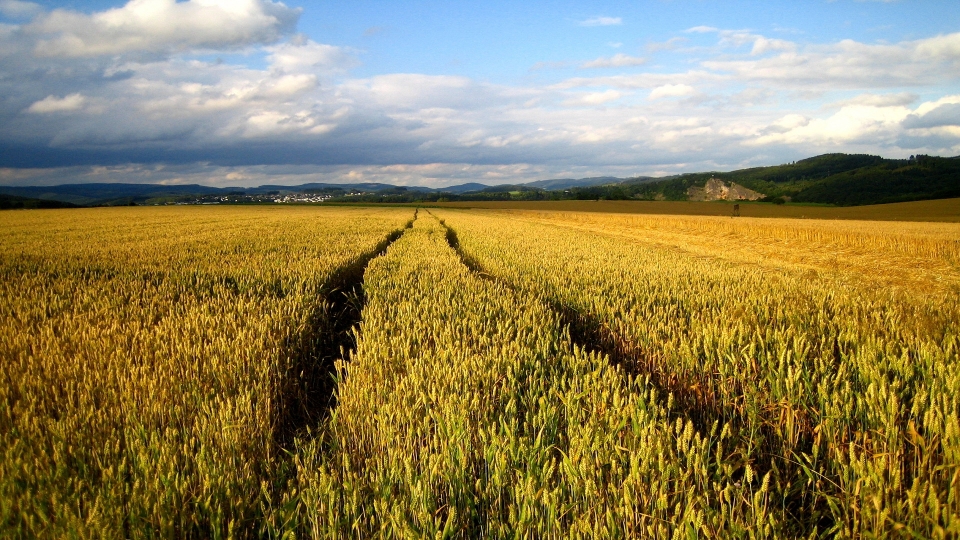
[247,92]
[499,41]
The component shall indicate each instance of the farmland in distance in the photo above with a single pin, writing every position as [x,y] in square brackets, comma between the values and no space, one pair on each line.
[458,373]
[943,210]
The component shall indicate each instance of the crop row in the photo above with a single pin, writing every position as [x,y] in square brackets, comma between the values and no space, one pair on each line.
[167,372]
[840,398]
[467,411]
[152,362]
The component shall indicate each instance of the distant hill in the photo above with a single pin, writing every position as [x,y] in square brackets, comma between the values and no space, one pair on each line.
[564,183]
[103,194]
[464,188]
[106,194]
[320,187]
[11,202]
[837,179]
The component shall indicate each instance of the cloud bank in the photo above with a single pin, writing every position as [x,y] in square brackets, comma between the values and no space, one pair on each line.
[133,94]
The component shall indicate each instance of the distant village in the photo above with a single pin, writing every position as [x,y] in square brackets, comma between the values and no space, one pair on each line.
[271,197]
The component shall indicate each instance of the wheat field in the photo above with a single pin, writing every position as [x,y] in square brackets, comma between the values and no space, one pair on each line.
[313,372]
[149,357]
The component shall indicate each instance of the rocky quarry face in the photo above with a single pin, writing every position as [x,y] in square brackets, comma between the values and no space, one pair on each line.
[716,190]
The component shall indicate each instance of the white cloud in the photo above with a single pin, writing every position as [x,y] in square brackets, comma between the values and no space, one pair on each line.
[594,98]
[617,60]
[789,122]
[290,85]
[763,45]
[303,55]
[701,30]
[848,64]
[938,48]
[272,123]
[878,100]
[672,90]
[53,104]
[161,26]
[602,21]
[851,124]
[412,90]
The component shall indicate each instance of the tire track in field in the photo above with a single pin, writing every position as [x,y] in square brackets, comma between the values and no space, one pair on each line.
[593,336]
[691,399]
[308,393]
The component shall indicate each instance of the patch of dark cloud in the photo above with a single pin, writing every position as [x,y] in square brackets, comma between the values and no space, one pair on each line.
[359,147]
[121,75]
[34,156]
[944,115]
[249,154]
[936,143]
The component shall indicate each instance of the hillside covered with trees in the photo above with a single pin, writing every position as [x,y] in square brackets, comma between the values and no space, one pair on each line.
[840,179]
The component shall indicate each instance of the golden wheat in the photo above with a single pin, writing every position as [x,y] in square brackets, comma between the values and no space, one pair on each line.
[144,354]
[845,391]
[516,374]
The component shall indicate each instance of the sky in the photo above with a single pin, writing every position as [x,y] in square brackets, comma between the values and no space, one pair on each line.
[430,93]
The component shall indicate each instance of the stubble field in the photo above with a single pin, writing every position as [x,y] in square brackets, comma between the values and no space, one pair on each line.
[396,373]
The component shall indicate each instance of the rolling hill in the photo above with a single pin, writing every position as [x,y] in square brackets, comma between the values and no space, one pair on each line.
[833,179]
[838,179]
